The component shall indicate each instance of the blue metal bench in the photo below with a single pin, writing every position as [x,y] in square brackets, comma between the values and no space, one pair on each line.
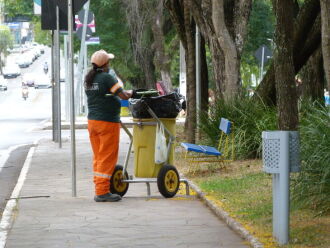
[207,154]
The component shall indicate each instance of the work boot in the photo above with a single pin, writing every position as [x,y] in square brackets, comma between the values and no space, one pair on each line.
[108,197]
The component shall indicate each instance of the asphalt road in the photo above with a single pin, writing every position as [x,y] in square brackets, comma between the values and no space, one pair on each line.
[18,120]
[10,172]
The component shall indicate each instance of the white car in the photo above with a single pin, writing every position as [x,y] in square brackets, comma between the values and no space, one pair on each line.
[11,71]
[3,83]
[29,79]
[23,62]
[42,82]
[62,75]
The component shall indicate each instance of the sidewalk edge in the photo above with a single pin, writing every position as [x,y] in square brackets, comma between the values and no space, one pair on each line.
[7,216]
[234,225]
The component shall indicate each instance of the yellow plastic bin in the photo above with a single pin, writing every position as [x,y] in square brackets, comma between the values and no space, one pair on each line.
[144,147]
[124,108]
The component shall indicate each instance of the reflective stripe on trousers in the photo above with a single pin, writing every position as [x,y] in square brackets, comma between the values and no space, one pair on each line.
[104,138]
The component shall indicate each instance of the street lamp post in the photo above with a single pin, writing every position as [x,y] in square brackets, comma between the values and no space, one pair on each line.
[72,108]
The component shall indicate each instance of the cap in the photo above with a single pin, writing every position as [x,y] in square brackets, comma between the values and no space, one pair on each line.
[101,57]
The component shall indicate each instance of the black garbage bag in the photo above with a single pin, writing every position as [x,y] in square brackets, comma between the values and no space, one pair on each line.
[167,106]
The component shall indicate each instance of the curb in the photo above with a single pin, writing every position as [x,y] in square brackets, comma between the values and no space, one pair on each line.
[234,225]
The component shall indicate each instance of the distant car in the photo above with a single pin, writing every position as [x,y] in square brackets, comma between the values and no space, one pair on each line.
[3,83]
[42,49]
[42,82]
[11,71]
[62,76]
[29,79]
[23,62]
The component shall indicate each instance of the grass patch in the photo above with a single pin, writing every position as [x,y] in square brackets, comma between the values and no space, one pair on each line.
[245,192]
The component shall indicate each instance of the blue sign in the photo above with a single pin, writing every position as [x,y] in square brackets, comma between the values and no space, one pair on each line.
[93,41]
[38,2]
[13,25]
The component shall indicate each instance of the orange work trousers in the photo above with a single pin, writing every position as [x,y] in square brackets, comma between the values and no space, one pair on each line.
[104,138]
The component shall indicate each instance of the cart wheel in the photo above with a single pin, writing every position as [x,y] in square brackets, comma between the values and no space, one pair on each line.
[116,184]
[168,181]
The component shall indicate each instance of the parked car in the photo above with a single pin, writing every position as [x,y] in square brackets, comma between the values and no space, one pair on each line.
[42,82]
[23,62]
[11,71]
[29,79]
[3,83]
[62,75]
[42,49]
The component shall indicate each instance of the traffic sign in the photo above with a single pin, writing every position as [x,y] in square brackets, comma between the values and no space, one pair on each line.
[81,16]
[89,33]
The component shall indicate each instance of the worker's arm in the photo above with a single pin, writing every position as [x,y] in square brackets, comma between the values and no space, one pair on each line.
[125,94]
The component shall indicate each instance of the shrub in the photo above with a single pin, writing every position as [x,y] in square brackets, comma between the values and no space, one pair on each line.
[312,184]
[249,117]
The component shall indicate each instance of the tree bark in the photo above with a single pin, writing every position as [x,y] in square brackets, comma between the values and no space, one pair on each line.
[180,12]
[161,60]
[312,77]
[223,24]
[284,67]
[138,18]
[325,16]
[307,39]
[204,78]
[229,49]
[191,73]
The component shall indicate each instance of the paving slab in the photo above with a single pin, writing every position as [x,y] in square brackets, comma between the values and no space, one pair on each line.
[53,218]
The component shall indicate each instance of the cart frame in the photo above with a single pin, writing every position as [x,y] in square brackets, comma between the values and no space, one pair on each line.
[130,179]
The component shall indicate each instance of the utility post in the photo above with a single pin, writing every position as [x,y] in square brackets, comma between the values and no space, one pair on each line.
[57,79]
[54,136]
[82,58]
[72,108]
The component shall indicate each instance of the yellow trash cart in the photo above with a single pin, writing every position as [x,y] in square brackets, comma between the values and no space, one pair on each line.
[145,169]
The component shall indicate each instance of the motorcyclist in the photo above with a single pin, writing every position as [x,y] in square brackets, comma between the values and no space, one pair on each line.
[25,92]
[46,67]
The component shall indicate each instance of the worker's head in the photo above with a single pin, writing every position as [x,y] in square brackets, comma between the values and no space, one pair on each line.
[100,60]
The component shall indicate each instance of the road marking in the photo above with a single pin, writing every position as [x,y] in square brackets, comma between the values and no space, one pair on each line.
[7,216]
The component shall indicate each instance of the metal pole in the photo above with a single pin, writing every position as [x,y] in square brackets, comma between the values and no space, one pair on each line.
[198,75]
[262,62]
[57,77]
[67,85]
[53,89]
[81,59]
[284,190]
[71,81]
[85,72]
[183,85]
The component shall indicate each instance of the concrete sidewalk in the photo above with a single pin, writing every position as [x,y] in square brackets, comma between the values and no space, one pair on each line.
[47,215]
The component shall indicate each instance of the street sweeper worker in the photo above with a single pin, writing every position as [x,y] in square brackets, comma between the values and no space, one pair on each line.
[103,98]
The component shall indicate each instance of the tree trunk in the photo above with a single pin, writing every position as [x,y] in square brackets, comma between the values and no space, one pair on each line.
[307,39]
[191,73]
[204,78]
[223,24]
[161,60]
[325,16]
[312,77]
[138,18]
[217,57]
[180,13]
[284,67]
[228,47]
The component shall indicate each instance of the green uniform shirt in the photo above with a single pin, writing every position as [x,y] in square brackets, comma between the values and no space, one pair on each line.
[100,106]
